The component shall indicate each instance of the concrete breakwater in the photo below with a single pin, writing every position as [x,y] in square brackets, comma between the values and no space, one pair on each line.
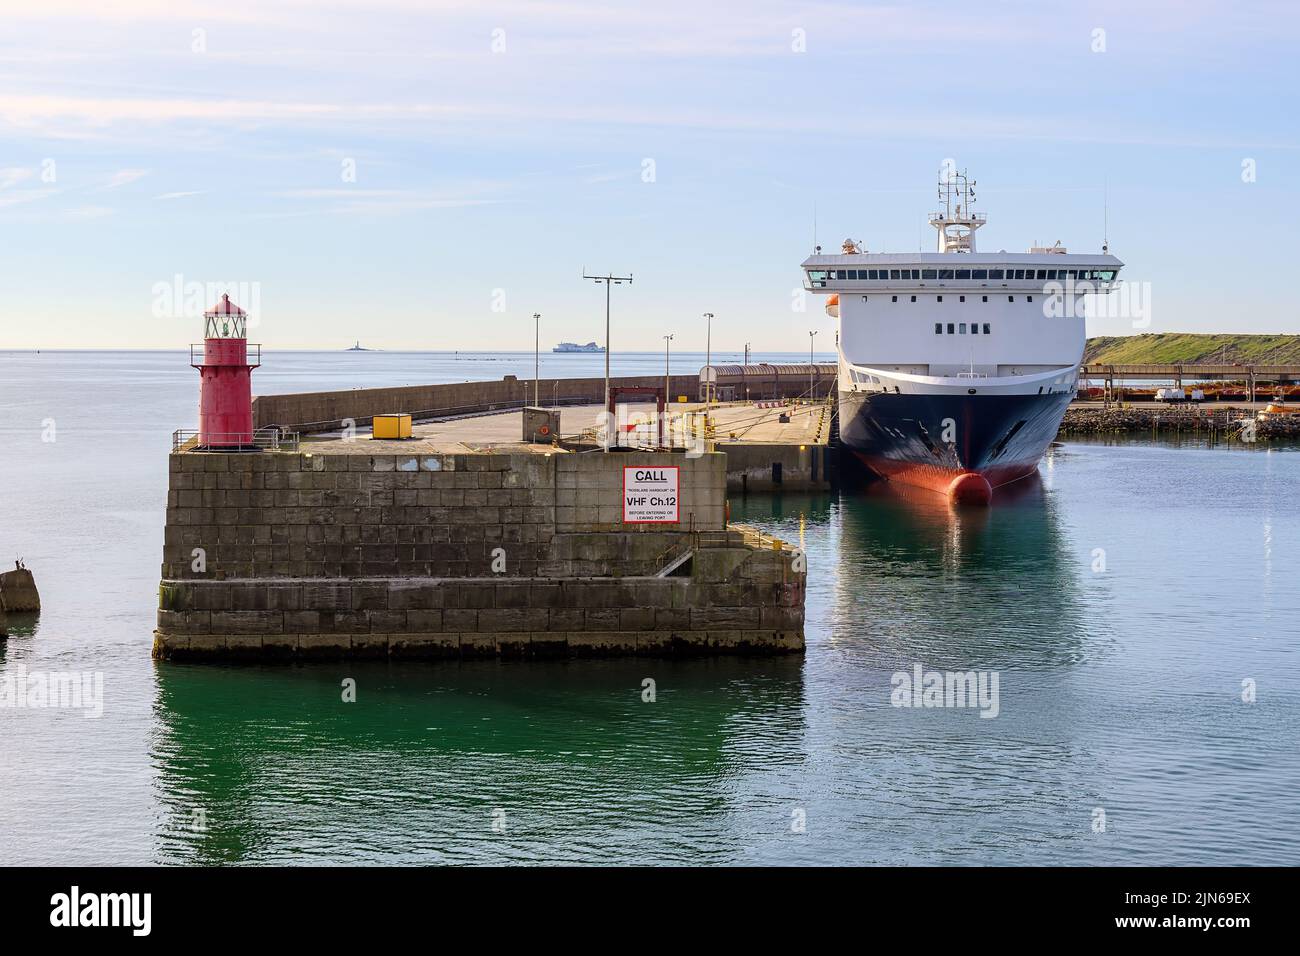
[1086,420]
[395,549]
[17,594]
[18,591]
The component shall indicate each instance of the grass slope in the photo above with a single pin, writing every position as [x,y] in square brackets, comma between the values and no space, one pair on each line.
[1187,348]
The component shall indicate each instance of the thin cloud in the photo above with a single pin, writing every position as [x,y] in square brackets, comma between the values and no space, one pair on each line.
[124,177]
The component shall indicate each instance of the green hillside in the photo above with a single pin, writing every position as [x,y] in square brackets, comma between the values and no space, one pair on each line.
[1186,348]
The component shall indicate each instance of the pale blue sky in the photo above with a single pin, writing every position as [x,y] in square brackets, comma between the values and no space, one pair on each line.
[481,170]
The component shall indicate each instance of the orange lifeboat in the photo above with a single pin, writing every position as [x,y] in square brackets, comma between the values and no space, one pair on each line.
[1278,410]
[833,305]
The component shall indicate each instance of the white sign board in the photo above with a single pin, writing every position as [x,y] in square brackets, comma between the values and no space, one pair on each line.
[650,494]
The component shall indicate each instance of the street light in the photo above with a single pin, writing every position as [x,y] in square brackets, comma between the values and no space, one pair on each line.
[708,357]
[811,367]
[609,280]
[746,371]
[667,385]
[537,357]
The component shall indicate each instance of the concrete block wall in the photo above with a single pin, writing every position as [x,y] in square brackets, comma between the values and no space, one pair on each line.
[325,411]
[308,555]
[357,515]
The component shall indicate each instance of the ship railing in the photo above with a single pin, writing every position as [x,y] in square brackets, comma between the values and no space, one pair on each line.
[264,439]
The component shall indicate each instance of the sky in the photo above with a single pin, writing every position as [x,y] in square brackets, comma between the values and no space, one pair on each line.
[418,174]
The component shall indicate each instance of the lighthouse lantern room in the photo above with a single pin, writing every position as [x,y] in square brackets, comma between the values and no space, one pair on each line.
[225,379]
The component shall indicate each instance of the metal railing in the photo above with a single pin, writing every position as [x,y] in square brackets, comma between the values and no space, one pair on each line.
[198,356]
[264,439]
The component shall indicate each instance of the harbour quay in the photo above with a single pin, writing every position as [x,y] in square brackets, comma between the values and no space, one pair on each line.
[373,549]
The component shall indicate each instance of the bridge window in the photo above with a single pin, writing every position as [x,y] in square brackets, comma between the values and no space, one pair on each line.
[979,273]
[974,328]
[929,273]
[853,273]
[893,273]
[995,273]
[950,328]
[963,273]
[1106,275]
[986,328]
[962,329]
[945,273]
[1042,274]
[938,328]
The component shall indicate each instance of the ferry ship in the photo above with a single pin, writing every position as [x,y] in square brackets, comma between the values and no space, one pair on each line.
[574,347]
[956,366]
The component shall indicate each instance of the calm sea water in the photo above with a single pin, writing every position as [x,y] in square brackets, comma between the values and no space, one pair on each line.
[1120,690]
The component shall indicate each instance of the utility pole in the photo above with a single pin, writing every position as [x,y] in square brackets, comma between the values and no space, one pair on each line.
[746,353]
[537,357]
[811,367]
[708,358]
[609,279]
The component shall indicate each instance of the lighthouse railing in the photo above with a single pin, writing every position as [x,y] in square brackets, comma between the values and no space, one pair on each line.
[271,438]
[198,356]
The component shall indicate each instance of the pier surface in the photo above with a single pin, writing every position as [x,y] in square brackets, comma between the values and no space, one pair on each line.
[762,452]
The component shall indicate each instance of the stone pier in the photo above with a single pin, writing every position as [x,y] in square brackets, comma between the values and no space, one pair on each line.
[350,549]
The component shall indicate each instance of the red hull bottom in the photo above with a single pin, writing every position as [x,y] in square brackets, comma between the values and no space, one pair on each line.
[965,486]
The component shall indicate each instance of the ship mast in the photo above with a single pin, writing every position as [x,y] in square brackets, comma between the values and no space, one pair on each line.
[956,223]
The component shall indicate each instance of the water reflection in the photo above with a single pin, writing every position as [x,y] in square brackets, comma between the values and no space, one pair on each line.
[918,578]
[20,627]
[565,758]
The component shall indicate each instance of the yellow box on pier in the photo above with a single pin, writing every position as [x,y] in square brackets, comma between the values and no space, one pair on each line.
[391,426]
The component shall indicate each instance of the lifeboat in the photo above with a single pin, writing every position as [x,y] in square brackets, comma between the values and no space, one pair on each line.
[833,306]
[1279,410]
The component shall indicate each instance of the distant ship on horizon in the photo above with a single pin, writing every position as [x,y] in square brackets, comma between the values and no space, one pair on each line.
[358,348]
[573,347]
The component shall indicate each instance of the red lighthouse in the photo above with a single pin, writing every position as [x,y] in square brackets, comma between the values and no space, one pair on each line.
[225,379]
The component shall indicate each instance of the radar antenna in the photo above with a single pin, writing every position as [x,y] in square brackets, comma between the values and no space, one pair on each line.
[956,223]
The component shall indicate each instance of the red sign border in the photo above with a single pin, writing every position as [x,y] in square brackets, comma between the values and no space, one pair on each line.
[678,505]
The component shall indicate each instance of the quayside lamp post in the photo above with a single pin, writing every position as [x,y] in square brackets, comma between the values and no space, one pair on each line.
[537,357]
[708,357]
[667,378]
[609,279]
[225,379]
[812,393]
